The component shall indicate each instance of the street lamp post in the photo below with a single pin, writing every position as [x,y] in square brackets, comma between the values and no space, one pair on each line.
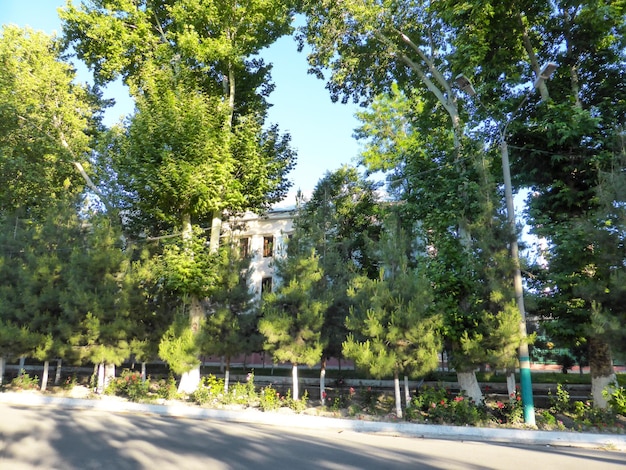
[524,357]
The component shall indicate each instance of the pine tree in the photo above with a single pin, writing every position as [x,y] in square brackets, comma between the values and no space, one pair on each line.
[393,328]
[293,315]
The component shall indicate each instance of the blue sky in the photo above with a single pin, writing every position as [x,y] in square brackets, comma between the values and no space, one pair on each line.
[321,130]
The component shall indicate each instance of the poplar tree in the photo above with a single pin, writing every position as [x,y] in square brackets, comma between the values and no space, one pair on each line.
[198,145]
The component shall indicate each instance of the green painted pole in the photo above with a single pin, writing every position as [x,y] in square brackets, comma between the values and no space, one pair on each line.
[524,357]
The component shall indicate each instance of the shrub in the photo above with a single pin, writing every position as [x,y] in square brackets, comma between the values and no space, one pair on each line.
[547,419]
[25,382]
[561,403]
[167,389]
[241,393]
[211,389]
[130,385]
[617,400]
[269,399]
[70,382]
[511,412]
[297,405]
[438,406]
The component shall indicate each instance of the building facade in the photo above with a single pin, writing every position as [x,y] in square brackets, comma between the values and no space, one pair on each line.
[264,238]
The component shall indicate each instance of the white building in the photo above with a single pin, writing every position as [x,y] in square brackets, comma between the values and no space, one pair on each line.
[264,238]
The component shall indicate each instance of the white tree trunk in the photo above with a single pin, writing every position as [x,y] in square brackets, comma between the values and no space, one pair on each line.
[189,381]
[3,362]
[44,376]
[598,385]
[396,387]
[100,384]
[57,375]
[468,383]
[226,379]
[407,392]
[109,373]
[323,383]
[143,371]
[21,369]
[510,384]
[294,379]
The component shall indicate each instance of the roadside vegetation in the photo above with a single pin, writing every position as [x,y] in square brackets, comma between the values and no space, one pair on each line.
[434,402]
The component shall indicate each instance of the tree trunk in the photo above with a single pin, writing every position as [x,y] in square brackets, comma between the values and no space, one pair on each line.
[294,379]
[323,382]
[22,370]
[407,393]
[2,368]
[396,387]
[143,371]
[602,372]
[100,385]
[109,373]
[57,375]
[44,376]
[510,383]
[469,385]
[227,375]
[190,380]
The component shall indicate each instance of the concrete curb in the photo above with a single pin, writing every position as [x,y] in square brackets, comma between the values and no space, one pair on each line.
[249,416]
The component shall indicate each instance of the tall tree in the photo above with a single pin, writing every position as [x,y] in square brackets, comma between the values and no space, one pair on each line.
[401,47]
[561,148]
[215,154]
[47,123]
[339,222]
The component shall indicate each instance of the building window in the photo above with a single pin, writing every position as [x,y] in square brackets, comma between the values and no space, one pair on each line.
[266,285]
[244,247]
[268,246]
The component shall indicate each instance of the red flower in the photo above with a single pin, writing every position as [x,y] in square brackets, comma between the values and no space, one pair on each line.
[500,405]
[458,399]
[324,395]
[351,391]
[442,402]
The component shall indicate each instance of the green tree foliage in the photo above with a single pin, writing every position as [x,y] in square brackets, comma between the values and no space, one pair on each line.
[16,337]
[293,315]
[197,145]
[339,222]
[467,260]
[393,327]
[96,296]
[231,323]
[566,147]
[197,55]
[180,344]
[45,124]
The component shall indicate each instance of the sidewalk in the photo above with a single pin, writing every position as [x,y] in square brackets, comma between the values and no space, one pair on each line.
[291,420]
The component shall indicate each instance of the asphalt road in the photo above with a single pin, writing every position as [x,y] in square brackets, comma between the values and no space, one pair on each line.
[54,438]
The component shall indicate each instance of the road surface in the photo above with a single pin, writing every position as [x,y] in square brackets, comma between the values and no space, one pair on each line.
[55,438]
